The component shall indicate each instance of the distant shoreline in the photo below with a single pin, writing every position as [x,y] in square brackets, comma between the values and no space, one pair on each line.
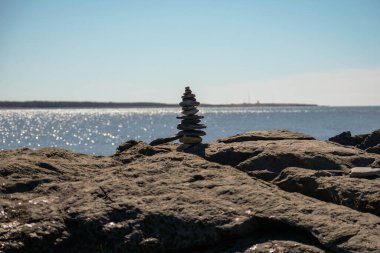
[65,104]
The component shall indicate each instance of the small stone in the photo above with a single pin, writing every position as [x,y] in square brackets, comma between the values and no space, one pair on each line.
[190,126]
[189,103]
[190,121]
[188,96]
[190,117]
[190,139]
[188,108]
[183,147]
[190,112]
[192,132]
[364,172]
[188,99]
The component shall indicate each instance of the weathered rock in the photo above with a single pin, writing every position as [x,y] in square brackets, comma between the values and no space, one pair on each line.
[266,159]
[154,199]
[375,149]
[266,135]
[369,142]
[160,141]
[262,245]
[364,172]
[359,194]
[347,139]
[126,145]
[373,139]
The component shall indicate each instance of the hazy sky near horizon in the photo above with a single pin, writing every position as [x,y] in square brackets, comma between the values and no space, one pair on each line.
[325,52]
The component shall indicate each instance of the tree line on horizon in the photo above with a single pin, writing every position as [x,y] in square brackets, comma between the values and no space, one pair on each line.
[74,104]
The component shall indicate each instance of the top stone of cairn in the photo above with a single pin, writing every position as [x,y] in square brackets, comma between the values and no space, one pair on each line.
[190,122]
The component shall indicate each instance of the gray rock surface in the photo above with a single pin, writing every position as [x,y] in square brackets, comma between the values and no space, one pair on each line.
[155,199]
[266,135]
[359,194]
[267,158]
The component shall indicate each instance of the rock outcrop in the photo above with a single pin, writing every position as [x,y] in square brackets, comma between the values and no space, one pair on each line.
[267,153]
[207,199]
[369,142]
[359,194]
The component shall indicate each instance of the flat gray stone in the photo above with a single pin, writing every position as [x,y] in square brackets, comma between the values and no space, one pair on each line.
[189,103]
[190,139]
[364,172]
[190,121]
[190,126]
[190,112]
[188,108]
[190,117]
[189,96]
[192,132]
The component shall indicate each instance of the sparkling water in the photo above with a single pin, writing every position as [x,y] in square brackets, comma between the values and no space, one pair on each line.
[100,131]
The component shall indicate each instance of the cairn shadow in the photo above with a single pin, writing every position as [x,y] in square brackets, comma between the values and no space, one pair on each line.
[197,149]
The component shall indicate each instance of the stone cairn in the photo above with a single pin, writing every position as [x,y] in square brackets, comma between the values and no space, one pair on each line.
[190,128]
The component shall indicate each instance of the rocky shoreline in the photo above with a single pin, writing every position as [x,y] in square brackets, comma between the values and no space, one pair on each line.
[264,191]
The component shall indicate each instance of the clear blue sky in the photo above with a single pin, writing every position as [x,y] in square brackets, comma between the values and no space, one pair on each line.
[325,52]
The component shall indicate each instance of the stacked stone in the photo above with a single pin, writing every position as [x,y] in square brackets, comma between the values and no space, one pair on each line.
[190,122]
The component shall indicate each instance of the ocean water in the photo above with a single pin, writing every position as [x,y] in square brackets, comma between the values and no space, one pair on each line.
[99,131]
